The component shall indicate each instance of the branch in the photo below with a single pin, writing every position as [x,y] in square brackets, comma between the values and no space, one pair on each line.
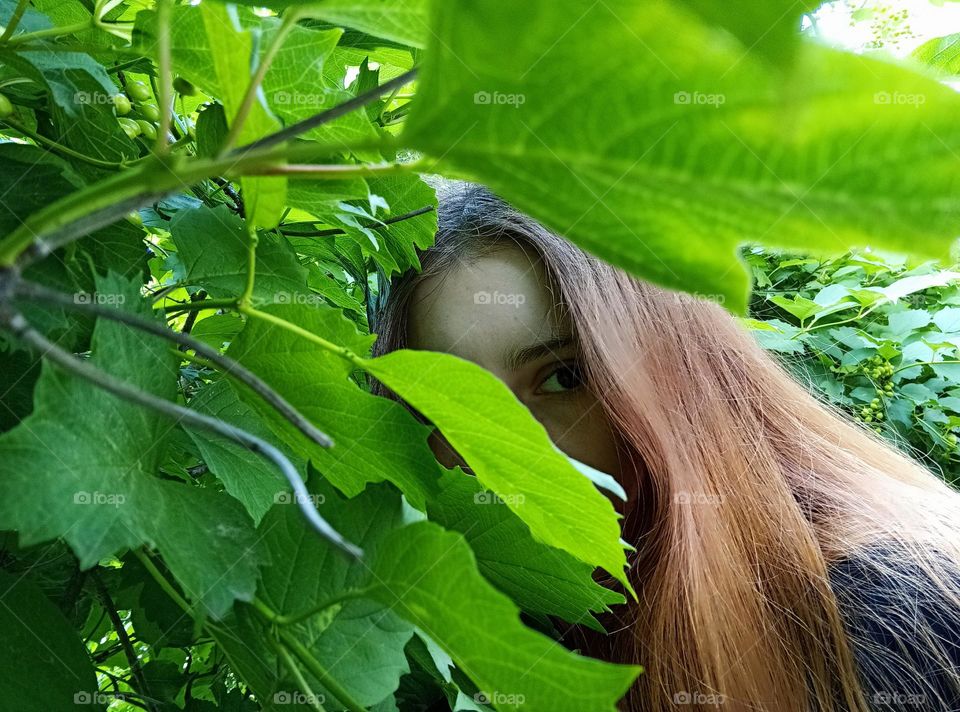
[36,292]
[164,69]
[81,369]
[128,650]
[289,22]
[14,20]
[371,226]
[329,115]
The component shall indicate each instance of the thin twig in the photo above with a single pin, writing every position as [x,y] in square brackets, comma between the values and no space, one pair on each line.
[329,115]
[14,20]
[19,326]
[370,226]
[128,650]
[36,292]
[165,70]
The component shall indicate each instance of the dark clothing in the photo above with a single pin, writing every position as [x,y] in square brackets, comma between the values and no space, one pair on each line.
[905,634]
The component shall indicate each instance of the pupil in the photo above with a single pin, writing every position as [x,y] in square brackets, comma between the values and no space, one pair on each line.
[569,377]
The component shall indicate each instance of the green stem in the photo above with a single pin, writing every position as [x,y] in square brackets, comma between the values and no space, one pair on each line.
[162,581]
[925,363]
[318,671]
[164,69]
[14,20]
[337,171]
[60,148]
[291,665]
[247,297]
[51,32]
[202,305]
[289,22]
[280,619]
[340,351]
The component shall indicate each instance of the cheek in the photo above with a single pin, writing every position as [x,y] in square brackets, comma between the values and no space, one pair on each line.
[579,427]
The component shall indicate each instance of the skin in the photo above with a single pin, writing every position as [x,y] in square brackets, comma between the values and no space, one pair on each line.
[497,312]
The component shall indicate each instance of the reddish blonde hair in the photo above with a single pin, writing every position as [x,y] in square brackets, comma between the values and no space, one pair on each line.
[745,488]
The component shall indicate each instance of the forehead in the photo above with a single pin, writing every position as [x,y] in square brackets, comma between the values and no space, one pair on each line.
[485,307]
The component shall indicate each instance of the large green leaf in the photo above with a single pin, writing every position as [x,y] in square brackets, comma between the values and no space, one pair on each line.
[509,452]
[429,577]
[539,579]
[43,663]
[665,163]
[359,642]
[213,246]
[83,467]
[208,44]
[81,103]
[375,439]
[943,53]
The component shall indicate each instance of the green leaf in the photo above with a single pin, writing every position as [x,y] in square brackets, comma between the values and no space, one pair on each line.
[213,246]
[359,642]
[375,439]
[403,21]
[83,467]
[306,77]
[769,28]
[665,164]
[253,481]
[429,577]
[44,663]
[539,579]
[209,43]
[81,103]
[509,452]
[942,53]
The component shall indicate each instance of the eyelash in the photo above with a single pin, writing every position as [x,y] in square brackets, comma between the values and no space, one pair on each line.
[571,366]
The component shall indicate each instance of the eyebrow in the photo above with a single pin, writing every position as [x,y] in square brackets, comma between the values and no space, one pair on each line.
[525,354]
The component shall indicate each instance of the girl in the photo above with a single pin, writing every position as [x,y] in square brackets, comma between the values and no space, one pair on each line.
[786,559]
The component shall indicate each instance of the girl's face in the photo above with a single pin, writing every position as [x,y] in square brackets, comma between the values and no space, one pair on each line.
[496,311]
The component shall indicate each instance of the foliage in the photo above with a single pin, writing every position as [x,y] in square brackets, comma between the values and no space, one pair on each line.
[877,336]
[206,506]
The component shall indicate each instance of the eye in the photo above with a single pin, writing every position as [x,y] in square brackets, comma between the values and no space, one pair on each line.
[566,377]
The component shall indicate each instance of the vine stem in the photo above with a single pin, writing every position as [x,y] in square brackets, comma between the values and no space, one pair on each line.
[162,581]
[82,369]
[14,20]
[202,306]
[247,297]
[290,20]
[281,619]
[319,672]
[63,31]
[60,148]
[925,363]
[341,231]
[340,351]
[335,171]
[291,665]
[229,366]
[164,69]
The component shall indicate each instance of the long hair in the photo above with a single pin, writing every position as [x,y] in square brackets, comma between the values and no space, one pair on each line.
[746,489]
